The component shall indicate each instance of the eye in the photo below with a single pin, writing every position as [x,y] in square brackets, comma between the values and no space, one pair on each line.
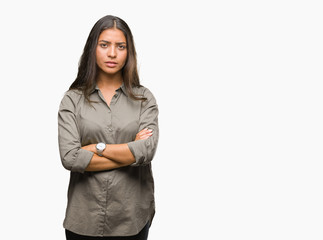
[103,45]
[122,47]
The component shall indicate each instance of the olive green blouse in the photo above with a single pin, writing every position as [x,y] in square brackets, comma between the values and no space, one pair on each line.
[115,202]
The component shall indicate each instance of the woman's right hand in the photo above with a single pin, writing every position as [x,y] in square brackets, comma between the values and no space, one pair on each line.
[144,134]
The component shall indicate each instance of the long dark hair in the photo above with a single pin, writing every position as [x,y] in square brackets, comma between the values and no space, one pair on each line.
[88,69]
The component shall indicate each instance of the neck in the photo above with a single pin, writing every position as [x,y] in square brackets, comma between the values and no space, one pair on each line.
[109,81]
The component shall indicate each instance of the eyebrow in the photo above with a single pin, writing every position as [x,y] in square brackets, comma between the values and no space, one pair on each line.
[110,42]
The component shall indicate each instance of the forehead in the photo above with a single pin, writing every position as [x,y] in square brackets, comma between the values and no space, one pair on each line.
[112,35]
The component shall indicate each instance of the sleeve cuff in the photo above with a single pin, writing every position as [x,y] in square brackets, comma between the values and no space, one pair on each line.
[135,148]
[83,159]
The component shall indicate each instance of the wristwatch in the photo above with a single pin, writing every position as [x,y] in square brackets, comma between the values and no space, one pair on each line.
[100,148]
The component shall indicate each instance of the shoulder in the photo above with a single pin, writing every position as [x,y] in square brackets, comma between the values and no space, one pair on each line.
[144,92]
[71,98]
[74,93]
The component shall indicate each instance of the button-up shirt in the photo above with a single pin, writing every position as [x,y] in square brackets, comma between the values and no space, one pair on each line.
[116,202]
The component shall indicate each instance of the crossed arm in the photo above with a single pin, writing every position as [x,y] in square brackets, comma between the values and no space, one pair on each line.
[78,158]
[114,155]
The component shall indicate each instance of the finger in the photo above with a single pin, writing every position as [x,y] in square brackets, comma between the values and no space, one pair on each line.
[144,136]
[144,131]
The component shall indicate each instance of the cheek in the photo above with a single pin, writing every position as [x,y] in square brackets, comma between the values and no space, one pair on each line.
[98,56]
[124,57]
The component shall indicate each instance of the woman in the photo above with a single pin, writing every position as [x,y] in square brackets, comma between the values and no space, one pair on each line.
[108,134]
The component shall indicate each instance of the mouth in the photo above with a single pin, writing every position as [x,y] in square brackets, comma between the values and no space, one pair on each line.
[110,64]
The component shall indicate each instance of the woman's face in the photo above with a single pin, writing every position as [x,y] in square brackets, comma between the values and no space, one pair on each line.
[111,51]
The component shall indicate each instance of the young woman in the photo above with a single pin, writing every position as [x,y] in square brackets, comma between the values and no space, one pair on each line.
[108,134]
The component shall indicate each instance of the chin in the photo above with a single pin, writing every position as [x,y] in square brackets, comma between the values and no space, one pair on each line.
[111,71]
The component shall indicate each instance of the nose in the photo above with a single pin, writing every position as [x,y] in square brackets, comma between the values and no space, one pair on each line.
[112,53]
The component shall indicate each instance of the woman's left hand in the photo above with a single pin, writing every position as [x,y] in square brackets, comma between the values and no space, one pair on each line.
[144,134]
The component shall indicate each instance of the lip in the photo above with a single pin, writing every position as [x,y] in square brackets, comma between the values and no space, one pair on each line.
[110,64]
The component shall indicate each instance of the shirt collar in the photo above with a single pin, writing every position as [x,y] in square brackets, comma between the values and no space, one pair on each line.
[122,87]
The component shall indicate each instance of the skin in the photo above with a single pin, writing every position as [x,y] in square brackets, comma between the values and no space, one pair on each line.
[112,47]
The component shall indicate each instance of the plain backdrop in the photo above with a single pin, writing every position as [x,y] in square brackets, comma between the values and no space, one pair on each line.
[239,89]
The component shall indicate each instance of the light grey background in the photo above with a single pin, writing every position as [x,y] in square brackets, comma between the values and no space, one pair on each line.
[239,87]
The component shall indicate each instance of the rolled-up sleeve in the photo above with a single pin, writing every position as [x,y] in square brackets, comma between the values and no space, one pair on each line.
[73,157]
[144,150]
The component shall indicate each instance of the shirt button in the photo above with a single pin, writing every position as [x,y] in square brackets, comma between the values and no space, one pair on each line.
[110,129]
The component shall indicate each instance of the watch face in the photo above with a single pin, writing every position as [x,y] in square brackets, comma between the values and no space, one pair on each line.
[100,146]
